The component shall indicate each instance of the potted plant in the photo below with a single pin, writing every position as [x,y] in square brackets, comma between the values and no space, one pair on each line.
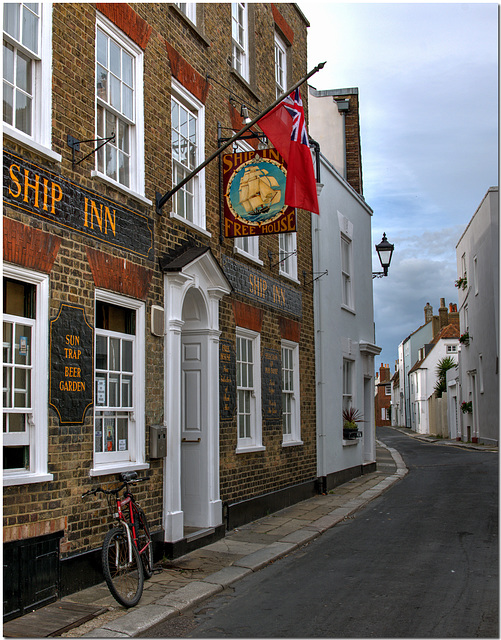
[461,283]
[351,418]
[465,339]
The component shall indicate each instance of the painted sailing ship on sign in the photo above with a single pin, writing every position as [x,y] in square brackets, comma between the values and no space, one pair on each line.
[258,190]
[254,191]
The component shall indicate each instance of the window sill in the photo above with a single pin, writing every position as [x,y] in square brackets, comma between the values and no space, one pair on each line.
[27,478]
[120,187]
[249,256]
[350,443]
[193,225]
[349,309]
[107,470]
[289,277]
[251,449]
[27,142]
[292,443]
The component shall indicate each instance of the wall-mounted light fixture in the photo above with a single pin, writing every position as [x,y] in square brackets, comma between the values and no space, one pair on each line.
[384,251]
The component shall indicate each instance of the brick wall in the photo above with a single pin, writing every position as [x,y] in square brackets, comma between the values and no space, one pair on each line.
[77,263]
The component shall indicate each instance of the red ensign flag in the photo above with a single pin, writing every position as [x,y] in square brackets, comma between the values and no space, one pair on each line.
[285,127]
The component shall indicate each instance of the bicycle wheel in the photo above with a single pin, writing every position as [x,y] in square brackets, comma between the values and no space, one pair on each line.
[122,572]
[145,543]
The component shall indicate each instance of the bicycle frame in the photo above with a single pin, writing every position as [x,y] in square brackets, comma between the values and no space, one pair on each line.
[128,500]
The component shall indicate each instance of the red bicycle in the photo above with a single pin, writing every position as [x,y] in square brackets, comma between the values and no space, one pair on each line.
[127,552]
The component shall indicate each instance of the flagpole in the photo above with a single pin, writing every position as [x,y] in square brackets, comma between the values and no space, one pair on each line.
[161,200]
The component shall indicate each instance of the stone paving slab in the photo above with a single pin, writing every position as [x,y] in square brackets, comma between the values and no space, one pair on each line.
[228,575]
[261,558]
[141,619]
[189,595]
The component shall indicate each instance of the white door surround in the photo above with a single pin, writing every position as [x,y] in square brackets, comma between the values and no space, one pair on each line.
[193,286]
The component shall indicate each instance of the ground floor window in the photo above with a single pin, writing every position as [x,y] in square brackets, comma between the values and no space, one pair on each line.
[119,381]
[291,420]
[347,384]
[249,419]
[25,375]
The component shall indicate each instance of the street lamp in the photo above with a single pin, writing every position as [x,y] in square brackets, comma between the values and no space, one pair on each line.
[384,251]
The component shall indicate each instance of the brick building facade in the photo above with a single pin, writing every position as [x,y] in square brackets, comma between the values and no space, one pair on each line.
[119,317]
[382,402]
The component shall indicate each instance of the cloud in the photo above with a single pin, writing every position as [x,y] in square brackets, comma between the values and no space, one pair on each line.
[427,75]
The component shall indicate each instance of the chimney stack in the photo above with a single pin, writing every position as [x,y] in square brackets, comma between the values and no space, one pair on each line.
[428,313]
[443,315]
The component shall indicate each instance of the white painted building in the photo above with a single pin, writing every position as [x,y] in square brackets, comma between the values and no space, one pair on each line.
[477,255]
[343,298]
[423,375]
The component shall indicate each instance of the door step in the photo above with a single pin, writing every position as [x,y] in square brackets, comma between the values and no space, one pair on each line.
[192,533]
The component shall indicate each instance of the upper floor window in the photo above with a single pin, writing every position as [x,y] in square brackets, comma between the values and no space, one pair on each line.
[452,348]
[240,38]
[119,110]
[189,9]
[27,75]
[25,376]
[287,253]
[249,246]
[475,274]
[280,65]
[346,261]
[187,134]
[387,390]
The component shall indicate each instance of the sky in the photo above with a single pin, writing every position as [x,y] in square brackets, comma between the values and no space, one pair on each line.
[427,76]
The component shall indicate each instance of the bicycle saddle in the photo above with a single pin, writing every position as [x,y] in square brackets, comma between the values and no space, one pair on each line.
[128,476]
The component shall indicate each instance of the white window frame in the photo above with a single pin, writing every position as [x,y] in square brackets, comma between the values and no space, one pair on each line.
[188,101]
[41,137]
[189,9]
[387,390]
[38,427]
[136,124]
[294,437]
[475,274]
[346,272]
[240,47]
[254,441]
[452,348]
[103,463]
[280,65]
[287,255]
[348,378]
[247,246]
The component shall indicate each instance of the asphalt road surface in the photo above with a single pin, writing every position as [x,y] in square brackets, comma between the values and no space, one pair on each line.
[421,561]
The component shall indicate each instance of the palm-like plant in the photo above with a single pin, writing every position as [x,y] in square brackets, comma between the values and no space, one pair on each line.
[443,366]
[351,416]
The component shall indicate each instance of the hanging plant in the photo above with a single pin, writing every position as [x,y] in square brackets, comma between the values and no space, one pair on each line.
[465,339]
[461,283]
[466,407]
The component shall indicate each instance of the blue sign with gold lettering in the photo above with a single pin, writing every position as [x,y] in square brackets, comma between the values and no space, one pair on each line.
[45,194]
[71,364]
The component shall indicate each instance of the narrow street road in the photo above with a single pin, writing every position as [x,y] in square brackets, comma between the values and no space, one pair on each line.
[421,561]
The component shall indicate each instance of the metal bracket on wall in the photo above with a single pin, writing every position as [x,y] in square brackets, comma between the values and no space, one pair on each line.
[74,145]
[318,275]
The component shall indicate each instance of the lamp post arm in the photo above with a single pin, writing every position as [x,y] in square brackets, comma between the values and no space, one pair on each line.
[161,200]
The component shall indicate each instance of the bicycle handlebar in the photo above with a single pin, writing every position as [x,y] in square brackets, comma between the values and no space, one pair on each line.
[128,478]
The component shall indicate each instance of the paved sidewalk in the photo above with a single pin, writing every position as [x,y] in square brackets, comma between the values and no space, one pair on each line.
[187,581]
[435,440]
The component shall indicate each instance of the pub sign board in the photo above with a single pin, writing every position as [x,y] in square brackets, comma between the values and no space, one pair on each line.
[254,194]
[71,364]
[45,194]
